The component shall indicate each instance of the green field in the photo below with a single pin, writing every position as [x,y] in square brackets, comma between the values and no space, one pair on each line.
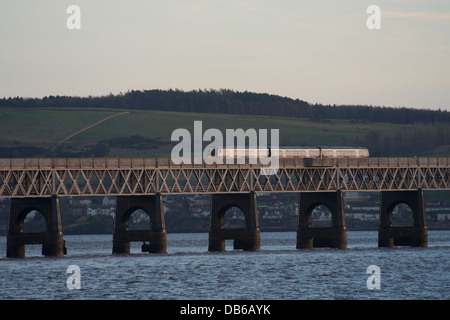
[44,128]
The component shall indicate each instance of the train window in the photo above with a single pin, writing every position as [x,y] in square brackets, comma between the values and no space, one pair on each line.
[314,153]
[328,153]
[260,152]
[240,153]
[290,153]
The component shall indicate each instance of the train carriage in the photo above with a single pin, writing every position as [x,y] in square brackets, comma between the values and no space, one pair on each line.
[292,152]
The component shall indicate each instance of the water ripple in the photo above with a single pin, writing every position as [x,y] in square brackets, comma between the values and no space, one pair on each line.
[189,271]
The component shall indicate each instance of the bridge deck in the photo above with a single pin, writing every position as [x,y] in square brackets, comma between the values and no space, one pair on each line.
[152,163]
[33,177]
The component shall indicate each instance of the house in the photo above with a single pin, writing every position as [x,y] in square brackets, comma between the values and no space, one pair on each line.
[443,217]
[100,212]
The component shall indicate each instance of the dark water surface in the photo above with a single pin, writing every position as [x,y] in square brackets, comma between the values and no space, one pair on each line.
[188,271]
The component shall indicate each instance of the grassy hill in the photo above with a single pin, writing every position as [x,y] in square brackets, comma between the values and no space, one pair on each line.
[35,132]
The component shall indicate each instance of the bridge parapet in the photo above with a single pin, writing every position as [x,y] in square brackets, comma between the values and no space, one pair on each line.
[153,163]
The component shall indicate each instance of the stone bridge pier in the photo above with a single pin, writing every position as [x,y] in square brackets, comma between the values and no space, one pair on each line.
[154,239]
[247,238]
[415,235]
[51,239]
[334,236]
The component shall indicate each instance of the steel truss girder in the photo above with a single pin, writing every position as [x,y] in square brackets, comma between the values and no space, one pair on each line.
[92,180]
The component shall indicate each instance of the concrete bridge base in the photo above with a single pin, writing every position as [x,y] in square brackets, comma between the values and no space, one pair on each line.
[155,239]
[52,239]
[334,236]
[415,235]
[247,238]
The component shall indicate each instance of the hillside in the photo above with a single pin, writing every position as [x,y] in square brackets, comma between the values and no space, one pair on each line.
[232,102]
[42,132]
[140,124]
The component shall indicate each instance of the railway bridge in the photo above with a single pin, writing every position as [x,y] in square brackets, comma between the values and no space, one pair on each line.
[141,183]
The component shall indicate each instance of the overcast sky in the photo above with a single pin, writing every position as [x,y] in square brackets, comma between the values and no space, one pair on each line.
[318,51]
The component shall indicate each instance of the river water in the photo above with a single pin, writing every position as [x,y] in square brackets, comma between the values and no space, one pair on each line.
[188,271]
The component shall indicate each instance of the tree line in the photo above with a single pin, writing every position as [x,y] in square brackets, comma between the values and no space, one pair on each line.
[234,102]
[411,140]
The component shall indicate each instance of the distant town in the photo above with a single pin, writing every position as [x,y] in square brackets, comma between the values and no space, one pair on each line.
[190,213]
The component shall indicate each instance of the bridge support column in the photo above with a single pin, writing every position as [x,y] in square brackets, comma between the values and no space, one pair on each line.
[156,236]
[52,239]
[417,234]
[334,236]
[247,238]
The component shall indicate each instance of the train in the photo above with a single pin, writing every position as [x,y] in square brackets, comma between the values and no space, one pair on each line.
[292,152]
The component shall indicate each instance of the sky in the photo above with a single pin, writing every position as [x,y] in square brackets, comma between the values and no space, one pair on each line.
[319,51]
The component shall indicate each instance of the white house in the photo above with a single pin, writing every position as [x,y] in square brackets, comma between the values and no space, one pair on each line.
[100,212]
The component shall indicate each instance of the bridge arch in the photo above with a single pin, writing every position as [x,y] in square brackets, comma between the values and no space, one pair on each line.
[137,218]
[153,236]
[332,231]
[395,232]
[23,220]
[401,214]
[232,217]
[247,236]
[319,216]
[51,237]
[32,220]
